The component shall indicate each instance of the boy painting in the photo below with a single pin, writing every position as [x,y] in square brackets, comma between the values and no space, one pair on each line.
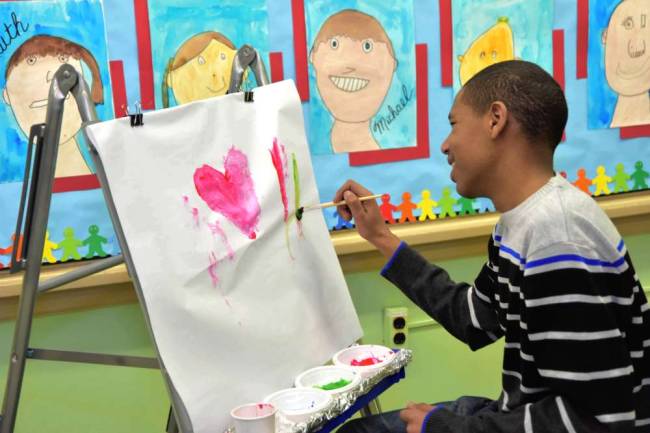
[558,284]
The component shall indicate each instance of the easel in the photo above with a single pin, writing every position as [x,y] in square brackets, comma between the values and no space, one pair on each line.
[35,206]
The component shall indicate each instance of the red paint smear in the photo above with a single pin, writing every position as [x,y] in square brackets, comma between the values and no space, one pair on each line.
[119,88]
[635,132]
[186,200]
[446,44]
[277,68]
[212,269]
[279,158]
[143,34]
[75,183]
[231,193]
[582,42]
[300,48]
[195,215]
[421,150]
[365,362]
[216,229]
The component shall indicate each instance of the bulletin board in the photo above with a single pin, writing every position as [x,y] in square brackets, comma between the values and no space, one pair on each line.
[577,41]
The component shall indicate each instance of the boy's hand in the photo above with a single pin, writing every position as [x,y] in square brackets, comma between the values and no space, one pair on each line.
[367,217]
[414,415]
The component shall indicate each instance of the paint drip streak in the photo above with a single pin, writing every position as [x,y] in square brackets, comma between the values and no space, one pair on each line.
[279,159]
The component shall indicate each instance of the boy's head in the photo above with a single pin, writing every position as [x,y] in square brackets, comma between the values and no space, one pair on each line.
[29,74]
[504,111]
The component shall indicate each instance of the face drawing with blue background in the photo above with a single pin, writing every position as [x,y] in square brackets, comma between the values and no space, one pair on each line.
[627,62]
[354,63]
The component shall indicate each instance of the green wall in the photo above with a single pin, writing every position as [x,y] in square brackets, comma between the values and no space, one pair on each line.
[76,398]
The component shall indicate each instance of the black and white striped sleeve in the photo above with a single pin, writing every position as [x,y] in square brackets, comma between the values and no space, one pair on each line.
[575,321]
[462,309]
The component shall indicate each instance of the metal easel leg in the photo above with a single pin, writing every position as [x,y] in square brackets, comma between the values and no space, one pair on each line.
[372,408]
[44,174]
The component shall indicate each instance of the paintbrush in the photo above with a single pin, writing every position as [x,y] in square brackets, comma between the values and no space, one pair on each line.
[301,210]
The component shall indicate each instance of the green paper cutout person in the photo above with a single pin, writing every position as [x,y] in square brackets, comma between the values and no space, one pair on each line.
[620,179]
[407,207]
[467,206]
[47,249]
[601,181]
[69,245]
[447,203]
[94,242]
[639,176]
[426,206]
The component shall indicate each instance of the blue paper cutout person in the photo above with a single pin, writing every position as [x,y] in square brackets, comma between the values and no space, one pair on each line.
[94,242]
[467,206]
[447,203]
[639,176]
[70,245]
[341,223]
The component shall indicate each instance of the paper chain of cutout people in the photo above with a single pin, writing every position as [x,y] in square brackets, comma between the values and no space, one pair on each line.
[69,246]
[447,203]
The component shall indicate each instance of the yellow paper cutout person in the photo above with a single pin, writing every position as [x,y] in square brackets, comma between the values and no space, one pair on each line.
[495,45]
[29,74]
[354,63]
[200,69]
[627,62]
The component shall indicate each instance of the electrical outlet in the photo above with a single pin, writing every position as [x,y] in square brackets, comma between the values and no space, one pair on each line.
[395,326]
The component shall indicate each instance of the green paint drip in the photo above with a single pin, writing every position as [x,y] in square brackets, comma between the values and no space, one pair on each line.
[296,180]
[334,385]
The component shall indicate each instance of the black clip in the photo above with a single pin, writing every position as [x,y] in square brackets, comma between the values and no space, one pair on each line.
[137,119]
[248,96]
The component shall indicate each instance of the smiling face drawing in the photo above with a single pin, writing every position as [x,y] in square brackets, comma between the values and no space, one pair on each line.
[354,63]
[201,68]
[627,48]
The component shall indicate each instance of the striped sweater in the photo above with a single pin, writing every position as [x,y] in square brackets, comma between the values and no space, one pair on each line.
[559,286]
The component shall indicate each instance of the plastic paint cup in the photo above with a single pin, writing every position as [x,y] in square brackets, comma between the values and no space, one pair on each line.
[299,404]
[328,375]
[380,356]
[254,418]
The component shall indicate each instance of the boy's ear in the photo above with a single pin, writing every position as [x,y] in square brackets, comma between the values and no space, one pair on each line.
[169,79]
[5,96]
[603,36]
[498,118]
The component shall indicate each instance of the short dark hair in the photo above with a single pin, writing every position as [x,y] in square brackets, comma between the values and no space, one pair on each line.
[531,95]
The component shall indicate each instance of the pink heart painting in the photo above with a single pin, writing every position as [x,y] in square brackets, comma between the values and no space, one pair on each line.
[231,193]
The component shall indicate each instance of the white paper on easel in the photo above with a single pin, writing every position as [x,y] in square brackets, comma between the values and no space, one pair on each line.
[241,298]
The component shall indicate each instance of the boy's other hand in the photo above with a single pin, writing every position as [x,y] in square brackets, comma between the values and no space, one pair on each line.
[414,415]
[368,219]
